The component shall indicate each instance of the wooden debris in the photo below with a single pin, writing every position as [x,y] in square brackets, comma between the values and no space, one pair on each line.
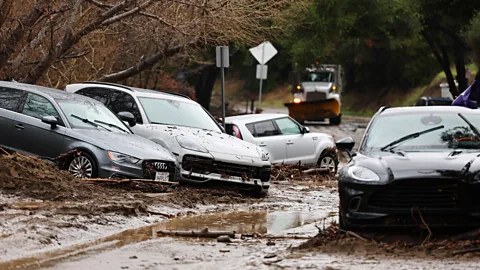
[205,233]
[4,151]
[470,250]
[316,170]
[160,214]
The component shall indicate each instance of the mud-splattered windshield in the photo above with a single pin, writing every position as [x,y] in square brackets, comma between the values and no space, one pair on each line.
[320,76]
[177,113]
[446,130]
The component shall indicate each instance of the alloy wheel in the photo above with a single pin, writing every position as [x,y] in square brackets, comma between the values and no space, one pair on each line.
[327,162]
[81,167]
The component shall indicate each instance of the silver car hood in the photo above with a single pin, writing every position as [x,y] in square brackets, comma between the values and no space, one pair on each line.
[316,86]
[124,143]
[214,142]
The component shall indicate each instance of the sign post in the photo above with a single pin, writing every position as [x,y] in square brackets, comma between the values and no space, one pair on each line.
[223,61]
[263,53]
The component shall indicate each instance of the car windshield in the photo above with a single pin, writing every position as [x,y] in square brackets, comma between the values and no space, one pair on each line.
[177,113]
[447,130]
[93,115]
[324,76]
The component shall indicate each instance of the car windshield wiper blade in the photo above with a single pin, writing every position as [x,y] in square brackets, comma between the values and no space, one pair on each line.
[409,137]
[110,125]
[85,120]
[472,127]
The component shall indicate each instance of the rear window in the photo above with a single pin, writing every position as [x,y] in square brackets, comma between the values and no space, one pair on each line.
[11,99]
[264,129]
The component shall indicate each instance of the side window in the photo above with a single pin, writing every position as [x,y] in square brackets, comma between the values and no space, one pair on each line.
[100,94]
[251,128]
[38,107]
[287,126]
[11,99]
[123,102]
[266,128]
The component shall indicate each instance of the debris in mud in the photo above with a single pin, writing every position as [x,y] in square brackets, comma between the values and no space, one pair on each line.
[205,233]
[224,239]
[297,172]
[335,240]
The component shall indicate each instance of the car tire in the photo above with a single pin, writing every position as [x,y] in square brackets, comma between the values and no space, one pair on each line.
[342,224]
[335,121]
[83,165]
[328,160]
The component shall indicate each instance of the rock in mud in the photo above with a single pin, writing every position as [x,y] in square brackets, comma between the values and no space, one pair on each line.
[224,239]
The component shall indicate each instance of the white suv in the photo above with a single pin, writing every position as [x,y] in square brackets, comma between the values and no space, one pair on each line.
[205,152]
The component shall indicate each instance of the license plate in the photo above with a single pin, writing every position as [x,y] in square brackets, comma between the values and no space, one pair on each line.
[162,176]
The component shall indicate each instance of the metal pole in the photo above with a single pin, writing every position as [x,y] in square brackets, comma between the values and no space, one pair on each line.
[223,87]
[261,78]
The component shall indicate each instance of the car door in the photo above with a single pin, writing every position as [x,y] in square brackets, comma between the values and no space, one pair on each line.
[10,102]
[32,135]
[300,146]
[266,136]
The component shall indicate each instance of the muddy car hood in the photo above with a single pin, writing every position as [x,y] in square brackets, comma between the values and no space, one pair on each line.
[214,142]
[316,86]
[129,144]
[425,164]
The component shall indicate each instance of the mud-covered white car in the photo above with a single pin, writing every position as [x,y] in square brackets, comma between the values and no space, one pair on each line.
[205,152]
[285,140]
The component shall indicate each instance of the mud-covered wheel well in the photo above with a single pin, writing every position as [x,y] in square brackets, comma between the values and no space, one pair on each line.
[63,161]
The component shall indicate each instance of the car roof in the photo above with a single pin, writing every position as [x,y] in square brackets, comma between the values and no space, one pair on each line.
[422,109]
[56,94]
[249,118]
[141,92]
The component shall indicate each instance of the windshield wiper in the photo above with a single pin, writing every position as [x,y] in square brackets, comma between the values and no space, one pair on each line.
[85,120]
[111,125]
[472,127]
[409,137]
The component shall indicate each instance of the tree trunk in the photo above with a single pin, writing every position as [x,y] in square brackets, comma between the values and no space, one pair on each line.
[204,85]
[442,58]
[459,55]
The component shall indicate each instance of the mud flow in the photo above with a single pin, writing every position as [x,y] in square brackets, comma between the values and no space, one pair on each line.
[242,222]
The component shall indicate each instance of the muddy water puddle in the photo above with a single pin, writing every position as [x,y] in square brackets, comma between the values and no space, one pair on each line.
[241,222]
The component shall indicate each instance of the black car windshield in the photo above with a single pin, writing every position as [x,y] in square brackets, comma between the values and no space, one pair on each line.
[449,131]
[319,76]
[76,110]
[177,113]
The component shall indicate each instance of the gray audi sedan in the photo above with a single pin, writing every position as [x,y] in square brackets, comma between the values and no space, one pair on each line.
[48,122]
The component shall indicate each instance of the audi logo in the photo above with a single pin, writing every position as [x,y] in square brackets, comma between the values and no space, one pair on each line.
[160,166]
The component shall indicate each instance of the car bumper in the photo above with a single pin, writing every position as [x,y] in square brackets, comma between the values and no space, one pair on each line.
[203,169]
[144,169]
[410,203]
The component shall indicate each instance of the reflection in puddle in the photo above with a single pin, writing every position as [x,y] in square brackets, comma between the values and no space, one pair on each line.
[241,222]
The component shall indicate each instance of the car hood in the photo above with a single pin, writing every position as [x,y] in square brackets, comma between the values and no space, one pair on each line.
[421,164]
[214,142]
[316,86]
[129,144]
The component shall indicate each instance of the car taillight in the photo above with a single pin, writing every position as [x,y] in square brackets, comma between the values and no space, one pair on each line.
[236,132]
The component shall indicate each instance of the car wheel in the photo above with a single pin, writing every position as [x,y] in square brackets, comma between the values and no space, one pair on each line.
[328,161]
[336,120]
[83,166]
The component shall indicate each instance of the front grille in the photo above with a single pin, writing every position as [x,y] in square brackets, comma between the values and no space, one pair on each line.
[204,165]
[314,96]
[150,168]
[422,193]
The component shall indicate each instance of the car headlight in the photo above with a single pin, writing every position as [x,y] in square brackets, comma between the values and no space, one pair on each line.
[122,158]
[362,174]
[190,144]
[262,154]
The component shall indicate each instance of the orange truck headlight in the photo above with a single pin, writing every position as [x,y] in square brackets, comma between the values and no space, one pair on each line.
[296,100]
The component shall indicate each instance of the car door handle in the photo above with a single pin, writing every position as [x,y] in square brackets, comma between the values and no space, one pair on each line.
[289,142]
[19,126]
[262,145]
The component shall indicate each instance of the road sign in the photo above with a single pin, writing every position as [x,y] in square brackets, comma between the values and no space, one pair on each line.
[262,72]
[223,56]
[263,52]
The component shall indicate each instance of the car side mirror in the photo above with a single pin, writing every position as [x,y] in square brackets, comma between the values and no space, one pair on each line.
[51,120]
[127,117]
[305,130]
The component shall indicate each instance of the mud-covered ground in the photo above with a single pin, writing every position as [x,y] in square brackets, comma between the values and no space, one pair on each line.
[49,220]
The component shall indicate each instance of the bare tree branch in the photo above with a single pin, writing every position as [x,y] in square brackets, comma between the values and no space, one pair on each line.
[148,63]
[5,9]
